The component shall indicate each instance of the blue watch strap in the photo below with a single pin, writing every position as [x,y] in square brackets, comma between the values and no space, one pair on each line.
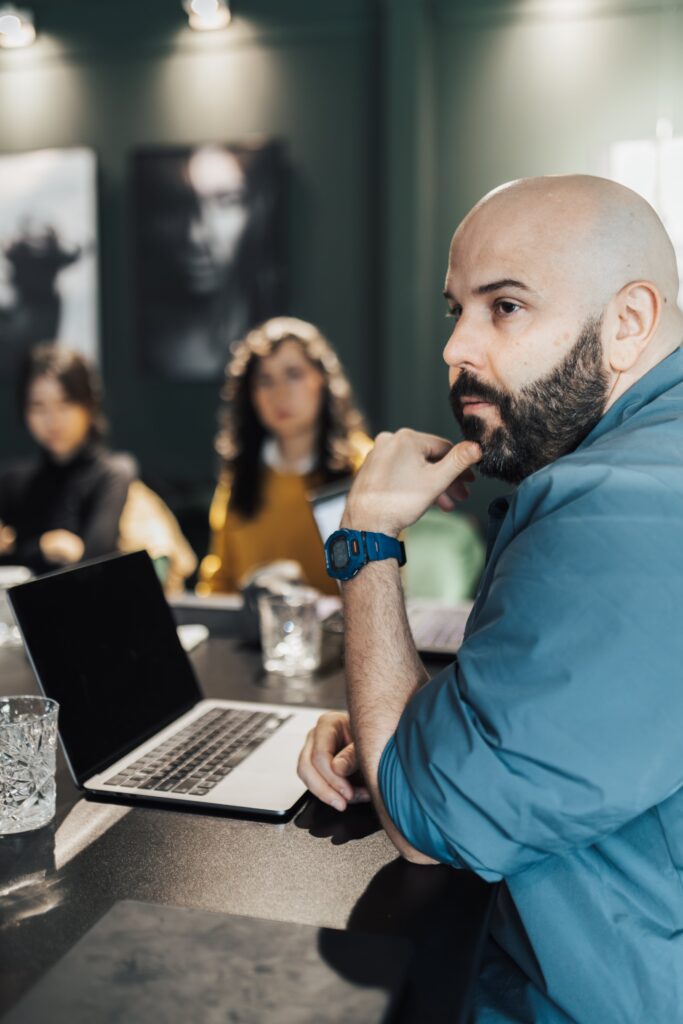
[379,546]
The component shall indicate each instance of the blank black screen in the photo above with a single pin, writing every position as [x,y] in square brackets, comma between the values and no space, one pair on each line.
[103,644]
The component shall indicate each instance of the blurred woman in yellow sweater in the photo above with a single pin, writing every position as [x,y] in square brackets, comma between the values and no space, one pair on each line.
[289,427]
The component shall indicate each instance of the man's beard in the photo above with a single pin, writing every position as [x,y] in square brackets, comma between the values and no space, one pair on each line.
[543,420]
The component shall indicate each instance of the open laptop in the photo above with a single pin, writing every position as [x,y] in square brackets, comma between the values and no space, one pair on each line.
[437,628]
[132,721]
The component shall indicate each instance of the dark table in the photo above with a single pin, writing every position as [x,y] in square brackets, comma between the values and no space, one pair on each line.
[322,868]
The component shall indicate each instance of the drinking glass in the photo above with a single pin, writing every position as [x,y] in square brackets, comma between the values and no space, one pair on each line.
[28,748]
[10,576]
[291,632]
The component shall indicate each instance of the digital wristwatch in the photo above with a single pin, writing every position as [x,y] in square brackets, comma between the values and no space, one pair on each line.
[347,551]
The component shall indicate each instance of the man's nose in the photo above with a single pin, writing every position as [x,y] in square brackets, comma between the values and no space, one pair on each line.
[465,346]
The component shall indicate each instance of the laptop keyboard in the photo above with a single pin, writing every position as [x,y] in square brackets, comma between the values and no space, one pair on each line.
[202,754]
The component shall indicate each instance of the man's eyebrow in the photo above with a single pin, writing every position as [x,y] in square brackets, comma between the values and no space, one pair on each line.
[506,282]
[492,286]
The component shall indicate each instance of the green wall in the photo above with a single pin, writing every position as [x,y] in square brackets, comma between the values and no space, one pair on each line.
[515,88]
[119,74]
[398,114]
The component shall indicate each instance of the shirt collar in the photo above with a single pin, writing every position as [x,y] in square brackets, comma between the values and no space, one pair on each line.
[498,509]
[270,455]
[651,385]
[90,451]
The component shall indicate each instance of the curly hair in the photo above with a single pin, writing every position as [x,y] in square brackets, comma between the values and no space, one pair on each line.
[241,436]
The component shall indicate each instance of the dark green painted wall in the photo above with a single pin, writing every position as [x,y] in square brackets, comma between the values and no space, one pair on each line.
[120,74]
[399,114]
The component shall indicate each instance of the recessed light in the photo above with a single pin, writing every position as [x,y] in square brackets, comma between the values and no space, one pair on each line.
[16,27]
[207,15]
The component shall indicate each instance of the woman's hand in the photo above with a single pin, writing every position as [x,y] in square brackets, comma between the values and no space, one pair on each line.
[61,547]
[328,759]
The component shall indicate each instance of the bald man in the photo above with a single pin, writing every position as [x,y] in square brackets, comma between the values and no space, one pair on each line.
[550,754]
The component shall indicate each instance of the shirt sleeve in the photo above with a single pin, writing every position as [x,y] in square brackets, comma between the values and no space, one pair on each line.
[560,720]
[100,531]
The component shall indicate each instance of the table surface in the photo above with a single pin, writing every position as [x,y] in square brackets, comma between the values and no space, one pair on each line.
[322,868]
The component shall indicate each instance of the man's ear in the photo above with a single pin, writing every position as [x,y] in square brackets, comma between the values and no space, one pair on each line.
[632,318]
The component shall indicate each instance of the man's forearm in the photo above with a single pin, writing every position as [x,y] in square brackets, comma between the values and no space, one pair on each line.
[401,478]
[383,671]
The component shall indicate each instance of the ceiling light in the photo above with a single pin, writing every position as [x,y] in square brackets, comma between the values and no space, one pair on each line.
[207,15]
[16,27]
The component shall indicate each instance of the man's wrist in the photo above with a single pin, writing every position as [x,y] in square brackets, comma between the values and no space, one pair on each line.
[367,524]
[384,572]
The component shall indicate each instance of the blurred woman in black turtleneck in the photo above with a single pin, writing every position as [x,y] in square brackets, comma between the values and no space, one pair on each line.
[66,505]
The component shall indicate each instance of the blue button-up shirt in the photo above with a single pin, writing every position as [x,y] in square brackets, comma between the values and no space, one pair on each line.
[550,754]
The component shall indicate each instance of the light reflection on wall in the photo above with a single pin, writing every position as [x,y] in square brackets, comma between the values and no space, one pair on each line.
[40,92]
[654,169]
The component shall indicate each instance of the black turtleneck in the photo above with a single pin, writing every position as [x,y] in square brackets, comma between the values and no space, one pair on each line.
[85,496]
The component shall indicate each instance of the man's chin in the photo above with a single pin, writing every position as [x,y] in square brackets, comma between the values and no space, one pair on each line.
[489,440]
[486,465]
[500,469]
[489,467]
[495,459]
[474,429]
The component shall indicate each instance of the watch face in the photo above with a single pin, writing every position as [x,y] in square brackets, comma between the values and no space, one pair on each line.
[339,553]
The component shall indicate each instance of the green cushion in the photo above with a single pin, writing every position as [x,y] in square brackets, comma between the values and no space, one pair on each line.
[445,557]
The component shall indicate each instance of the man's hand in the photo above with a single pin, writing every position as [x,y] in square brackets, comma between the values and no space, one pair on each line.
[328,759]
[61,546]
[8,539]
[403,475]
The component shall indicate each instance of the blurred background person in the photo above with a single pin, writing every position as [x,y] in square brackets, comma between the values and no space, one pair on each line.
[64,506]
[78,500]
[148,524]
[209,262]
[290,426]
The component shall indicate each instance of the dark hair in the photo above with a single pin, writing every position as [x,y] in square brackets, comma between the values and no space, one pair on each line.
[242,434]
[79,379]
[163,184]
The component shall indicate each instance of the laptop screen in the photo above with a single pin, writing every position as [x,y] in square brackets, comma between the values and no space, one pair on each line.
[103,644]
[328,508]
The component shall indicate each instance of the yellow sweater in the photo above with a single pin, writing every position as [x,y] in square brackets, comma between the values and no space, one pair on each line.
[283,527]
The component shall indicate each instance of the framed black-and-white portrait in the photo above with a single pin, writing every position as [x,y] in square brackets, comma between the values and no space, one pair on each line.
[48,253]
[209,251]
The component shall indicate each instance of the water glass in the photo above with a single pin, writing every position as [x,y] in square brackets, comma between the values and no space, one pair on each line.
[10,576]
[291,632]
[28,748]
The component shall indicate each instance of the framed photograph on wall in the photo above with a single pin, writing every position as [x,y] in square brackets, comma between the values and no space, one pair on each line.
[48,253]
[209,251]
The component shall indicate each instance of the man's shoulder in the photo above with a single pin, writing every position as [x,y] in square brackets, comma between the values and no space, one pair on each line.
[623,471]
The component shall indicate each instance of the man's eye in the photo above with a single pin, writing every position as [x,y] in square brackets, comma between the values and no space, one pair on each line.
[506,307]
[454,314]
